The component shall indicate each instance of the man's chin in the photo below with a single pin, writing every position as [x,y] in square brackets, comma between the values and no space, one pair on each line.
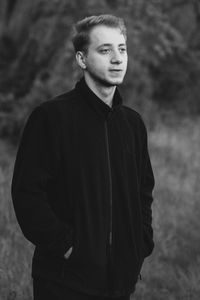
[109,82]
[114,82]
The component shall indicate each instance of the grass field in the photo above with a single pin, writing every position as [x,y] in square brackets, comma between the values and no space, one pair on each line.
[173,270]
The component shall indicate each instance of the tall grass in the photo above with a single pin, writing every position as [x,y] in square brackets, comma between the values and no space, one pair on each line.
[15,251]
[172,272]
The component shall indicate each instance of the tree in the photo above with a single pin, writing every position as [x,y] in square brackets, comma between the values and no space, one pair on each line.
[36,54]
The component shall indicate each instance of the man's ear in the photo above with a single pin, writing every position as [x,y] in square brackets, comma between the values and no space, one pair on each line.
[80,58]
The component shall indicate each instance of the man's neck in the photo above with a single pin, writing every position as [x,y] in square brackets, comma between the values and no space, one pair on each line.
[104,93]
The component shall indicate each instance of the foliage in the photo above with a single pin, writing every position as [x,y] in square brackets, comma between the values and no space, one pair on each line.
[176,79]
[37,58]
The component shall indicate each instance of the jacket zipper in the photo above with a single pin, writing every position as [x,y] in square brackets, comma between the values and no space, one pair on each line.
[110,187]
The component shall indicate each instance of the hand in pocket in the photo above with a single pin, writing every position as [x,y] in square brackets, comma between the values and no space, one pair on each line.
[68,253]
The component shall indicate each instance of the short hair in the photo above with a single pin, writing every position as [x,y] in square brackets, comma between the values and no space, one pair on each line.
[82,28]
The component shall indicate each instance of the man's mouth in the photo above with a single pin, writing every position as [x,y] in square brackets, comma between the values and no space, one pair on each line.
[116,70]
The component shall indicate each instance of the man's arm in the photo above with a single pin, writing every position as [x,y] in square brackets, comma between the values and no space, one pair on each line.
[147,185]
[36,163]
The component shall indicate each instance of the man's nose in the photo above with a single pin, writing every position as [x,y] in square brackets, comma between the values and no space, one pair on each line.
[116,57]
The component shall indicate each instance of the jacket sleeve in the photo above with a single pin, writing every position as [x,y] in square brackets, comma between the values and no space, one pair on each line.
[36,163]
[147,185]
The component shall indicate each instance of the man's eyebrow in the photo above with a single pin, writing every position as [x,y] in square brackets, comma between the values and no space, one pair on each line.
[108,45]
[104,45]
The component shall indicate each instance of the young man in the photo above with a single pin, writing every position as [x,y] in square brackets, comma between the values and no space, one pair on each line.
[82,183]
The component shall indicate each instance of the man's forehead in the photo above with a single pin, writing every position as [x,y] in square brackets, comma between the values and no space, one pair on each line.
[102,34]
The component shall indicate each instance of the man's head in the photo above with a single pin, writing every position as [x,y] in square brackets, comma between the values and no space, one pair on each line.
[81,39]
[100,46]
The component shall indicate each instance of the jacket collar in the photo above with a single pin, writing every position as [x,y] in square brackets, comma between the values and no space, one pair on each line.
[95,102]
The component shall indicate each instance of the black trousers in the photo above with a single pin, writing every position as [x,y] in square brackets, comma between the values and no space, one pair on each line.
[52,291]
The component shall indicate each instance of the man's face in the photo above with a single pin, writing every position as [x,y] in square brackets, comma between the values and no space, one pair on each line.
[106,57]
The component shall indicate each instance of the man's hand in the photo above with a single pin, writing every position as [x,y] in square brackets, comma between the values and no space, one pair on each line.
[68,253]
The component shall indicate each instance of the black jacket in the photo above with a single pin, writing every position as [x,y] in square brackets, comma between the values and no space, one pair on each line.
[83,178]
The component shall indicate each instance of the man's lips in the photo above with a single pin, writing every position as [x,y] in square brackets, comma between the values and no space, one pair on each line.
[115,70]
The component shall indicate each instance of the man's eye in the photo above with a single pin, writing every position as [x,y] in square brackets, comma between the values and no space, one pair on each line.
[104,51]
[122,50]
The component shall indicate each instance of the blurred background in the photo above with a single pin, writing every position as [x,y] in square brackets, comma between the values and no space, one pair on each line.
[162,84]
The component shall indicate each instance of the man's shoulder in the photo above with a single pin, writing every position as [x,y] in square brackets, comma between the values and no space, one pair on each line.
[61,101]
[135,120]
[131,112]
[132,115]
[61,107]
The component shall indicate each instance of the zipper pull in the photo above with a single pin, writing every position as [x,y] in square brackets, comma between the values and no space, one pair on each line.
[110,238]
